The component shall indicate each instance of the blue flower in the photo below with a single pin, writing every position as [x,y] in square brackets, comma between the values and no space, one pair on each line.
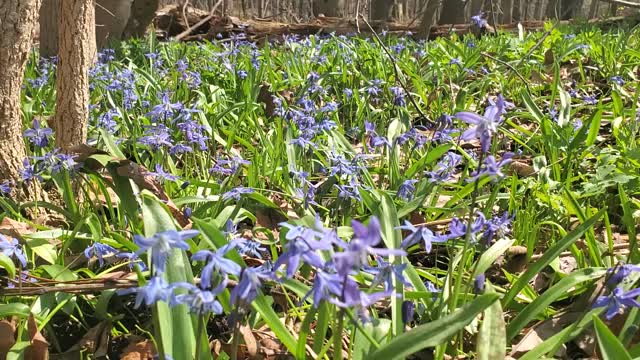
[355,252]
[236,193]
[29,172]
[619,273]
[617,79]
[166,109]
[133,259]
[617,301]
[398,96]
[163,175]
[478,283]
[479,20]
[485,126]
[157,289]
[406,189]
[198,300]
[38,136]
[420,233]
[358,299]
[385,272]
[12,248]
[250,283]
[250,247]
[161,245]
[6,187]
[325,286]
[408,310]
[216,261]
[492,168]
[99,250]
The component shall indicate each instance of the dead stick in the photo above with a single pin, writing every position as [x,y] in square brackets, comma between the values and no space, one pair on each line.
[185,33]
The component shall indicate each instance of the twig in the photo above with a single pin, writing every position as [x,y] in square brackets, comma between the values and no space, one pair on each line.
[77,288]
[185,33]
[630,4]
[507,65]
[184,12]
[397,72]
[537,45]
[357,16]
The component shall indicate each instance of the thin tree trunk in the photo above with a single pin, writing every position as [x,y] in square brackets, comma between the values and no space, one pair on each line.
[452,12]
[429,17]
[49,28]
[142,14]
[77,54]
[380,9]
[507,14]
[111,18]
[593,9]
[18,20]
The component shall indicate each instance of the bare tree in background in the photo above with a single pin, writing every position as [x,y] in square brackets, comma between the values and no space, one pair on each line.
[77,52]
[333,8]
[18,20]
[452,12]
[380,9]
[429,17]
[142,14]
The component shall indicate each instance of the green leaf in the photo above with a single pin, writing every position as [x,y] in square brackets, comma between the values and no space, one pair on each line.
[110,144]
[490,255]
[540,303]
[14,309]
[492,341]
[551,253]
[7,264]
[610,347]
[176,328]
[272,320]
[433,155]
[17,350]
[434,333]
[378,329]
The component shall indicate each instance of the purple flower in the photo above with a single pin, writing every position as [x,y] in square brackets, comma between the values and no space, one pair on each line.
[250,283]
[12,248]
[99,250]
[497,226]
[236,193]
[355,252]
[325,286]
[357,299]
[302,244]
[6,187]
[398,96]
[619,273]
[250,247]
[161,244]
[215,261]
[417,234]
[491,167]
[385,272]
[485,126]
[157,289]
[617,79]
[479,20]
[617,301]
[242,74]
[163,175]
[455,61]
[198,300]
[38,136]
[408,310]
[156,137]
[133,259]
[478,283]
[166,109]
[29,172]
[406,190]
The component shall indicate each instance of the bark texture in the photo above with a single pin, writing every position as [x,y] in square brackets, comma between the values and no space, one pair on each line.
[111,19]
[49,28]
[452,12]
[142,14]
[331,8]
[380,9]
[77,44]
[18,20]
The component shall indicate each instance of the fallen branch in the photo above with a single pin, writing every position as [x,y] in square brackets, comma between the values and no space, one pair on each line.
[624,3]
[199,23]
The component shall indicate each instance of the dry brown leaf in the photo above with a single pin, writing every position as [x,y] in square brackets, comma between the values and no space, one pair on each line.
[522,169]
[542,331]
[7,337]
[14,228]
[138,350]
[39,348]
[96,340]
[249,340]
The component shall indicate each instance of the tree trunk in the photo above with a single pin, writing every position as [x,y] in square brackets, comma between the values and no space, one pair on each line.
[331,8]
[77,54]
[111,19]
[380,9]
[18,20]
[507,15]
[142,14]
[49,28]
[429,17]
[452,12]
